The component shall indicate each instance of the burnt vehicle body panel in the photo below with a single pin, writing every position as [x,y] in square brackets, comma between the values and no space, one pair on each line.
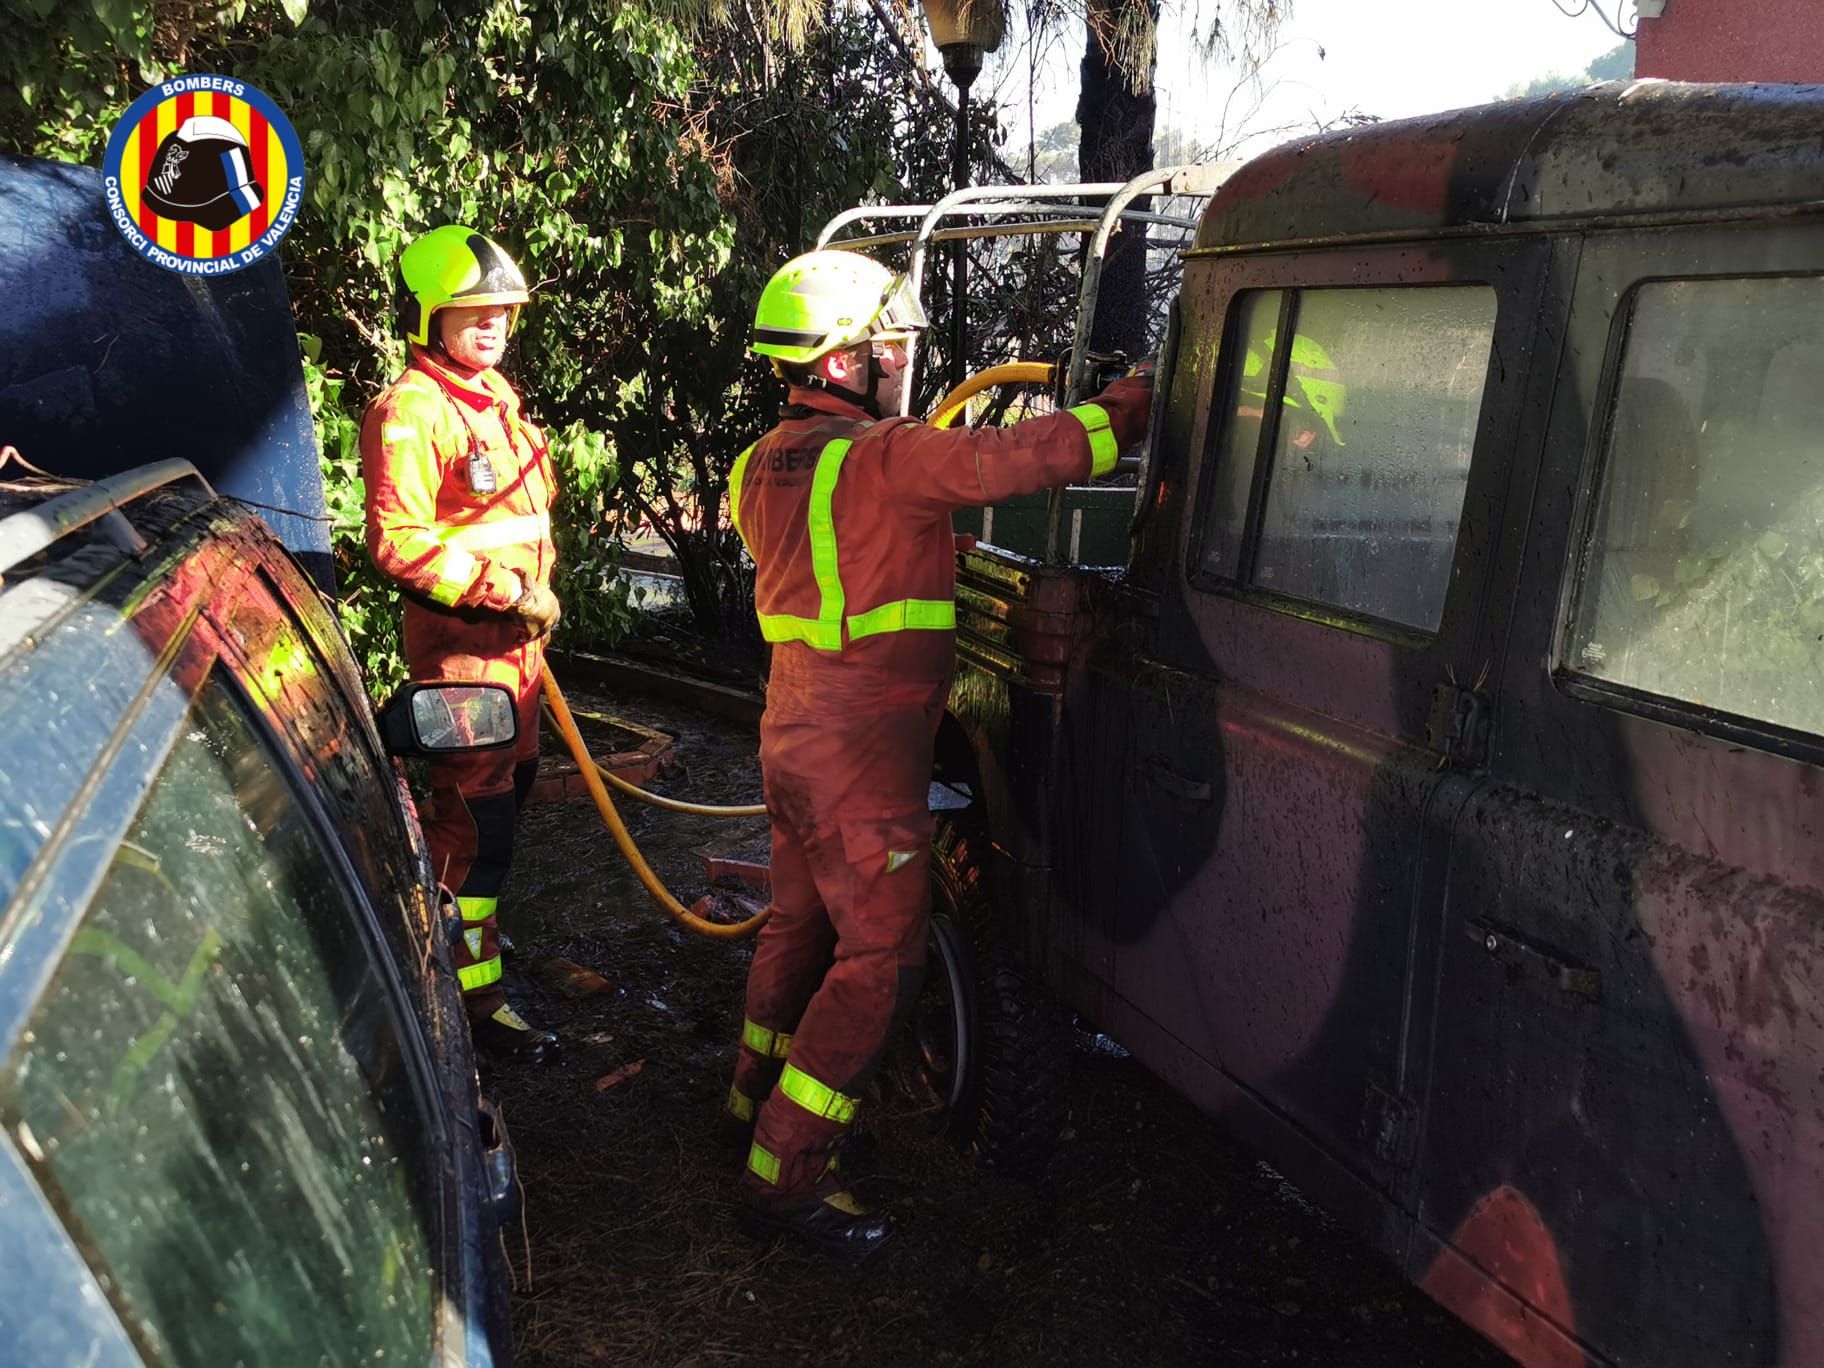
[230,1041]
[1437,825]
[100,344]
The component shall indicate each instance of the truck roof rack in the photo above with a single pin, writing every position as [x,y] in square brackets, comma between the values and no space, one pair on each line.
[1095,207]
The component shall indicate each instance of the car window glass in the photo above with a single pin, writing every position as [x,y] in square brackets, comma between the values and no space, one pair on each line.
[1704,579]
[1257,316]
[213,1089]
[60,706]
[1371,459]
[301,702]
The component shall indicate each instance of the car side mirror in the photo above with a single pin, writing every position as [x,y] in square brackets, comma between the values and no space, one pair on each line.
[445,719]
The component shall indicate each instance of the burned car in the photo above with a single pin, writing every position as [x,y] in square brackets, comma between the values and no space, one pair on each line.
[239,1120]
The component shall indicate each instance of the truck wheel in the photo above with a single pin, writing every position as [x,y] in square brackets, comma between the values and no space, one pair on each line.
[987,1050]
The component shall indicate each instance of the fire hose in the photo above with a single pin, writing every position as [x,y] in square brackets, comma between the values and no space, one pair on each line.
[598,780]
[593,775]
[951,406]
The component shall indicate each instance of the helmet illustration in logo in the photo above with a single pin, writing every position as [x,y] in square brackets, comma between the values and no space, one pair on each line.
[202,173]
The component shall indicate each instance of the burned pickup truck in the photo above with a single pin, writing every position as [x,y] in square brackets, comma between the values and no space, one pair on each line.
[1434,793]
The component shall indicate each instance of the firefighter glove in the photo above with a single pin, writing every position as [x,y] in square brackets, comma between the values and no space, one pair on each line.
[1129,403]
[537,610]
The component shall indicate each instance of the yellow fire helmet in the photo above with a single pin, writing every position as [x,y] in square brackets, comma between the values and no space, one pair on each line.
[1311,381]
[458,266]
[823,300]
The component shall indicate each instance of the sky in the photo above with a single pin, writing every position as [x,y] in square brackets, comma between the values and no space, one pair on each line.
[1390,58]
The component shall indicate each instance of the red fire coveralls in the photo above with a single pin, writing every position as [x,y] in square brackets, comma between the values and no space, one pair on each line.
[848,523]
[430,447]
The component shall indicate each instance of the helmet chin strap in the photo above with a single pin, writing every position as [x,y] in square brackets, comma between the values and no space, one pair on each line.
[875,375]
[867,402]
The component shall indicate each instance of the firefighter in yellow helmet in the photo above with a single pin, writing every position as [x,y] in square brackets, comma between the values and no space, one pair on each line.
[846,513]
[1315,397]
[459,493]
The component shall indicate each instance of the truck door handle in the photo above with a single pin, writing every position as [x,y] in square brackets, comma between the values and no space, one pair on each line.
[1526,956]
[1162,776]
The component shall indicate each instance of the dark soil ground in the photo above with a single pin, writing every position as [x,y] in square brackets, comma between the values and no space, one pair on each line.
[1152,1241]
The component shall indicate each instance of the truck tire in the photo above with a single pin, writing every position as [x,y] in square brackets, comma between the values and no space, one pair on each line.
[987,1049]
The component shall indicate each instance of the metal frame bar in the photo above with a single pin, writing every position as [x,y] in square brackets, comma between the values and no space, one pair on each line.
[970,199]
[1074,212]
[26,533]
[1193,181]
[1198,180]
[1021,229]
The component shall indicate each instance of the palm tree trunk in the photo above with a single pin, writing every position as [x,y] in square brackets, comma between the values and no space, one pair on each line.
[1116,110]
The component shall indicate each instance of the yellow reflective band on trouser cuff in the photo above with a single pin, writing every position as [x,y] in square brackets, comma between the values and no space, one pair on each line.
[817,1098]
[1103,449]
[904,615]
[496,532]
[762,1041]
[763,1163]
[477,909]
[740,1105]
[479,975]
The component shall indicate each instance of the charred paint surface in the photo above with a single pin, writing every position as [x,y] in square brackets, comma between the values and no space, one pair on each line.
[1535,1006]
[1604,153]
[1568,1073]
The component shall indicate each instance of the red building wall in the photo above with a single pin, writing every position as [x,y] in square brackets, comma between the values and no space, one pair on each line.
[1732,40]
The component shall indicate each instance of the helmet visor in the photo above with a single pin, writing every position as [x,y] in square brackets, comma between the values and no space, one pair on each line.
[901,315]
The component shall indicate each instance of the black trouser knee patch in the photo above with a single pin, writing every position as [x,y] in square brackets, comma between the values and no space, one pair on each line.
[905,993]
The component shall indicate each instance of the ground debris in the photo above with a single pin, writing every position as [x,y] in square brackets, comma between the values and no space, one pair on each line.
[726,908]
[570,978]
[620,1075]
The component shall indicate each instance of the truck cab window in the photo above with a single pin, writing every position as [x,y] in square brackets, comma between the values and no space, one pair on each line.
[1703,580]
[1352,494]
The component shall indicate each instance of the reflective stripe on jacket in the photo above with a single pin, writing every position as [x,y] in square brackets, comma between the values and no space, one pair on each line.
[429,446]
[848,520]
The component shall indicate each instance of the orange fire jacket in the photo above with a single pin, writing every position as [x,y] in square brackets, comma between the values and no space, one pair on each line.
[848,519]
[459,488]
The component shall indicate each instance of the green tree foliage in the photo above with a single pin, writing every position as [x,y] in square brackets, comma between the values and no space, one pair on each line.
[565,130]
[1117,107]
[648,175]
[801,133]
[1617,64]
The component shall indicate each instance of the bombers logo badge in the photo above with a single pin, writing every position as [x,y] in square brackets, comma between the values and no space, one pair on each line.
[203,175]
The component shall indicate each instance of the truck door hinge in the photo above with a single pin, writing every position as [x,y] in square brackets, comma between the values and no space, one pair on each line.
[1392,1124]
[1459,726]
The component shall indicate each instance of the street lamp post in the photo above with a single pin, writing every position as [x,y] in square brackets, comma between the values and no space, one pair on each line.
[964,30]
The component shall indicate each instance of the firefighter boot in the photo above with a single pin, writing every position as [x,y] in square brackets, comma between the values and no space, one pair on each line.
[834,1222]
[791,1186]
[505,1035]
